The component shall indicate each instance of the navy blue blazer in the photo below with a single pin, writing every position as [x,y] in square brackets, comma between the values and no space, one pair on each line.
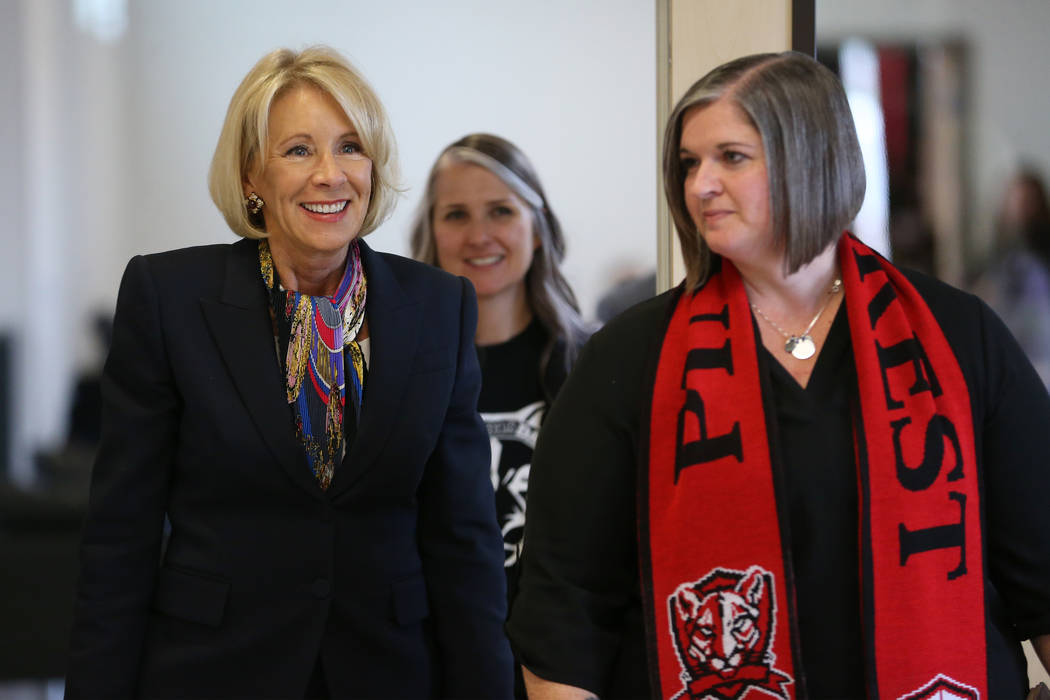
[394,576]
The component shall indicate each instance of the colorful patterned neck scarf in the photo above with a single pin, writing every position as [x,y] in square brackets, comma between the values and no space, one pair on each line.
[312,334]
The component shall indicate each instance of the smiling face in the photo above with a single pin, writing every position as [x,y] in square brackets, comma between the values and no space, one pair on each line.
[726,184]
[313,176]
[482,231]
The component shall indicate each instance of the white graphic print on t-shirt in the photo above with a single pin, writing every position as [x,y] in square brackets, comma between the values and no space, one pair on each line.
[512,436]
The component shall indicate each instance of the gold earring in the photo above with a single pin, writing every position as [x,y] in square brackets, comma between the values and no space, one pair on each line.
[254,203]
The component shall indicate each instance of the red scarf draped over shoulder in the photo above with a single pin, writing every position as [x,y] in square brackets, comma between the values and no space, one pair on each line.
[716,574]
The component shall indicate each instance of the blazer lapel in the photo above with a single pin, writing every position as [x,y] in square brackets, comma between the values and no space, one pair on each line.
[393,329]
[240,325]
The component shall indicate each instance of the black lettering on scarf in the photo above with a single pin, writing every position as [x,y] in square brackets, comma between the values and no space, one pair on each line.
[907,351]
[879,303]
[866,263]
[923,476]
[709,447]
[938,537]
[938,429]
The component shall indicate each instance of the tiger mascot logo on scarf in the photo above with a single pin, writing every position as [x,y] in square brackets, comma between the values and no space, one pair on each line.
[723,627]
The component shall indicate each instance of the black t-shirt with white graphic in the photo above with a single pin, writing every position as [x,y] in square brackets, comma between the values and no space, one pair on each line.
[512,404]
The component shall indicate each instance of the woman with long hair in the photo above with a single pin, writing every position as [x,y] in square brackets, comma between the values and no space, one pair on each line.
[486,217]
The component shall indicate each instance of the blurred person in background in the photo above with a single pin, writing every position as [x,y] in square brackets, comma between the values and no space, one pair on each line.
[1017,282]
[485,216]
[302,409]
[624,292]
[803,472]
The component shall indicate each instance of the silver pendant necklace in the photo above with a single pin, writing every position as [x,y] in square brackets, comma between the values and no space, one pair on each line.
[801,346]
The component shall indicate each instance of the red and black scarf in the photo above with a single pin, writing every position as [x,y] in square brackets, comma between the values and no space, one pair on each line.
[717,589]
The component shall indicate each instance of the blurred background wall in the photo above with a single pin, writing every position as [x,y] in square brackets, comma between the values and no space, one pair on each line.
[1003,98]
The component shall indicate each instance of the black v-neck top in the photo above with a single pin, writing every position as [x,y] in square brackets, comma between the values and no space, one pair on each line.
[822,491]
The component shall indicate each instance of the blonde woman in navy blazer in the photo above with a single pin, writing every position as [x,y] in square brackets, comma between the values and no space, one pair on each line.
[374,569]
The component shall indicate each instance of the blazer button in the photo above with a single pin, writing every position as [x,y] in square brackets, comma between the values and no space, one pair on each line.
[321,588]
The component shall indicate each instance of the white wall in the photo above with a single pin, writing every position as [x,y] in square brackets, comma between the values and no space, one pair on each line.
[107,143]
[60,191]
[10,186]
[11,145]
[45,314]
[1010,55]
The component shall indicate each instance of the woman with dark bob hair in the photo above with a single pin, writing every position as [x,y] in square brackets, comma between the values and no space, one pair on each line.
[302,411]
[803,472]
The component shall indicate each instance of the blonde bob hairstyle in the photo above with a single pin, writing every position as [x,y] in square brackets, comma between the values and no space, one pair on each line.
[244,133]
[813,160]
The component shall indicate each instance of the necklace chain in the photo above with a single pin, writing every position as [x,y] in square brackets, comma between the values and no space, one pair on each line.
[801,345]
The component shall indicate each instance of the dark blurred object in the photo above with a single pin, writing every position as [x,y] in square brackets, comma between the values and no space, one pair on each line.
[6,394]
[40,531]
[625,294]
[85,417]
[39,539]
[923,94]
[1040,692]
[66,471]
[1024,216]
[1016,283]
